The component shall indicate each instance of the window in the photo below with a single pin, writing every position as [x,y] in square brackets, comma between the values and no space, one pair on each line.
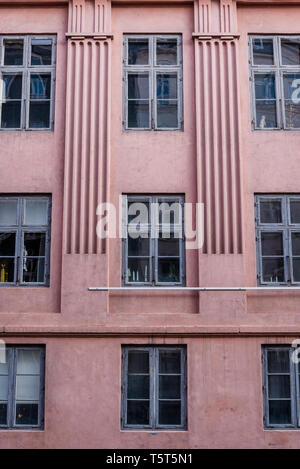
[22,388]
[24,240]
[275,75]
[278,239]
[154,387]
[152,83]
[281,377]
[27,69]
[153,244]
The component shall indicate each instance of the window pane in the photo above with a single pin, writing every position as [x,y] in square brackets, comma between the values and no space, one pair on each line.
[168,246]
[278,361]
[34,244]
[296,270]
[280,412]
[33,270]
[279,386]
[169,387]
[8,212]
[26,414]
[11,115]
[266,117]
[7,270]
[41,50]
[7,244]
[291,84]
[4,366]
[166,86]
[169,413]
[138,86]
[296,244]
[273,270]
[168,270]
[271,244]
[166,52]
[139,210]
[28,362]
[138,412]
[167,115]
[138,270]
[3,413]
[13,51]
[292,115]
[28,388]
[138,246]
[12,86]
[138,52]
[35,212]
[265,86]
[138,387]
[3,388]
[169,361]
[138,114]
[295,211]
[270,211]
[290,51]
[138,362]
[40,86]
[263,53]
[39,115]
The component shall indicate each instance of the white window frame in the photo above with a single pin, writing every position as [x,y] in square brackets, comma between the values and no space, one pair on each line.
[26,70]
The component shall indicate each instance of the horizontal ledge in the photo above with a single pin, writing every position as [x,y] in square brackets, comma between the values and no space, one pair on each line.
[194,288]
[208,36]
[96,36]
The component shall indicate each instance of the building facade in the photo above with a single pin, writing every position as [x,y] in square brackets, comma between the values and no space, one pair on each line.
[151,341]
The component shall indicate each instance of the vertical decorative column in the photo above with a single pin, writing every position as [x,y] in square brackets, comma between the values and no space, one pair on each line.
[217,109]
[87,123]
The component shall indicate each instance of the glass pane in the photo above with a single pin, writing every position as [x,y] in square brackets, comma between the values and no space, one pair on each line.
[266,117]
[278,361]
[7,244]
[39,115]
[166,52]
[7,270]
[263,53]
[138,362]
[138,52]
[138,246]
[291,86]
[11,115]
[35,212]
[279,386]
[138,412]
[8,212]
[273,270]
[271,244]
[3,413]
[290,51]
[28,388]
[270,211]
[292,115]
[40,86]
[13,51]
[4,366]
[138,86]
[170,413]
[33,270]
[138,114]
[41,50]
[296,270]
[168,270]
[296,244]
[265,86]
[167,115]
[28,362]
[169,387]
[3,388]
[295,211]
[166,86]
[168,246]
[169,361]
[27,414]
[138,387]
[138,270]
[279,412]
[12,86]
[138,212]
[34,244]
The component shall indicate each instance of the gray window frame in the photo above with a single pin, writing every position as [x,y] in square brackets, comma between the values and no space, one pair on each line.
[11,356]
[278,69]
[154,390]
[152,68]
[153,254]
[294,388]
[19,229]
[286,227]
[25,70]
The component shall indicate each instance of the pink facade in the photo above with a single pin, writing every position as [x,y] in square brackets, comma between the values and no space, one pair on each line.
[88,158]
